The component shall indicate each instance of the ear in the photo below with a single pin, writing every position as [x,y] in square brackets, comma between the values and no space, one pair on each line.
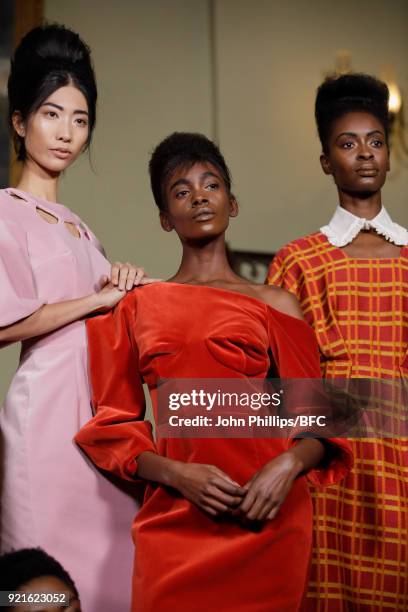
[388,160]
[325,164]
[165,221]
[234,208]
[18,124]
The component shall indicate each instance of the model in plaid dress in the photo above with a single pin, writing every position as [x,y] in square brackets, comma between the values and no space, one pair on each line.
[351,279]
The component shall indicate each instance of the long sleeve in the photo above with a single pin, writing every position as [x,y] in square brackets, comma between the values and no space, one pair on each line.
[294,348]
[117,433]
[18,296]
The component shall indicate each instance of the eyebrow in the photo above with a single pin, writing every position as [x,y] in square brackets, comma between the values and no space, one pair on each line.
[61,108]
[184,181]
[355,134]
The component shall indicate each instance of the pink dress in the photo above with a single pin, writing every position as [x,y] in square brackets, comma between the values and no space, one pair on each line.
[52,496]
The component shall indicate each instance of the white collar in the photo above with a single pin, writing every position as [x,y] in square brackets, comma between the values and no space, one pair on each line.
[344,227]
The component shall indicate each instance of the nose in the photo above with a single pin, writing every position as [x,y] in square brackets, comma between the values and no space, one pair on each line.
[65,131]
[200,197]
[364,152]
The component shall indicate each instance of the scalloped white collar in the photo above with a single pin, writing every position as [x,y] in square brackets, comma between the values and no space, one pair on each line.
[344,227]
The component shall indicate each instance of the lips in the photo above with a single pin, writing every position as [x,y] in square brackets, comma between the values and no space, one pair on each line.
[367,171]
[204,214]
[61,153]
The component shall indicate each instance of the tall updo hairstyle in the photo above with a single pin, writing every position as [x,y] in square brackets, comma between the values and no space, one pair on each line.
[49,57]
[348,93]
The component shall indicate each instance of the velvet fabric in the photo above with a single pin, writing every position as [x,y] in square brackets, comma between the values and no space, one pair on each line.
[185,559]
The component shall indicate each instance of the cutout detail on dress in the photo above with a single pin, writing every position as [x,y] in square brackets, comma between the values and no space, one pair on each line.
[48,217]
[73,229]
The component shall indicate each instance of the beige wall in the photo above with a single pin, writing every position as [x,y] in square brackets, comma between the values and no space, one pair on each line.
[271,56]
[153,60]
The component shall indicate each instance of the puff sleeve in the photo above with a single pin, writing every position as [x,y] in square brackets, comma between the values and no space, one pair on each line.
[18,296]
[284,271]
[117,434]
[295,351]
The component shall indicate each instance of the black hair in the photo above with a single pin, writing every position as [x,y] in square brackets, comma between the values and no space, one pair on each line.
[21,566]
[183,149]
[47,58]
[349,93]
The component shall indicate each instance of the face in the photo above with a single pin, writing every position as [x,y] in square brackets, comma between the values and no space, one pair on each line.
[56,133]
[358,156]
[198,203]
[48,585]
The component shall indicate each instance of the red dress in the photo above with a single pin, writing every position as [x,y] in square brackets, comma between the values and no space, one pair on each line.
[186,560]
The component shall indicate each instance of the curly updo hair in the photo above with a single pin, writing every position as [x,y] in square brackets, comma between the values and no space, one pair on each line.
[49,57]
[350,93]
[183,149]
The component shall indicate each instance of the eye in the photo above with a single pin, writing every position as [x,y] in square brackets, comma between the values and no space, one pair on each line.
[82,122]
[182,194]
[347,145]
[51,114]
[377,143]
[212,186]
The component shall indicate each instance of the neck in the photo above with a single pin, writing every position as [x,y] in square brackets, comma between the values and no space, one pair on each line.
[204,263]
[361,205]
[38,181]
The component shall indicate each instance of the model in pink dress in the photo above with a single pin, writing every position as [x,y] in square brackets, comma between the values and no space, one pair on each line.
[52,496]
[50,271]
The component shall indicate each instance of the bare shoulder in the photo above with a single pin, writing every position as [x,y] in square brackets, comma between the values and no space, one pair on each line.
[281,300]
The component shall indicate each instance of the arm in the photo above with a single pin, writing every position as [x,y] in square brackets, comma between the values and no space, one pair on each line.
[295,352]
[117,439]
[268,488]
[50,317]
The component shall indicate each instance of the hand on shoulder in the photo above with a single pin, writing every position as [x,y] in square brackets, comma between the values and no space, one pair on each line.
[281,300]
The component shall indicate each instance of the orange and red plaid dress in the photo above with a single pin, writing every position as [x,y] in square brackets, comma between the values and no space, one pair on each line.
[359,310]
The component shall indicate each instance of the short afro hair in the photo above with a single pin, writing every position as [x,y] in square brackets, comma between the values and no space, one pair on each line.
[21,566]
[350,93]
[183,149]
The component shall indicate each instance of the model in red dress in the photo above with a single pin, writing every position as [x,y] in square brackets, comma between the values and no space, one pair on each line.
[226,523]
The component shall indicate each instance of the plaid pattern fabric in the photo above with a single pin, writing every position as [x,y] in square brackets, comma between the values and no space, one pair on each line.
[359,310]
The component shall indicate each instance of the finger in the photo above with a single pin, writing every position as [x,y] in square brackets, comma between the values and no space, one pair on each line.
[272,514]
[228,486]
[140,273]
[115,273]
[224,476]
[216,505]
[256,510]
[231,501]
[146,280]
[103,281]
[130,281]
[208,509]
[266,510]
[123,274]
[248,501]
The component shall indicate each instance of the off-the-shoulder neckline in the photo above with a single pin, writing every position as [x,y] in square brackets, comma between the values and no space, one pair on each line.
[255,300]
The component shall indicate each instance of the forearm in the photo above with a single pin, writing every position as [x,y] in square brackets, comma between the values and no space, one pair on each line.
[307,454]
[156,468]
[50,317]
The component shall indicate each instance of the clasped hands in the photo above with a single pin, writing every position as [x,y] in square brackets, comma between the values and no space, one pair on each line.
[259,499]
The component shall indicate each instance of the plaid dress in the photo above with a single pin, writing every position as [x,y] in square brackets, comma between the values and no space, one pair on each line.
[359,311]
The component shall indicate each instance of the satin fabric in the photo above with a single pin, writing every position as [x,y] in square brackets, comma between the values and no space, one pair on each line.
[52,496]
[185,559]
